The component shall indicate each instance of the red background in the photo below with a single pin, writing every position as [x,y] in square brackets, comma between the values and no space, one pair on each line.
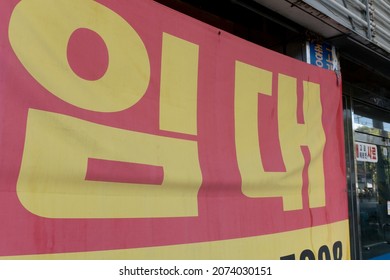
[224,212]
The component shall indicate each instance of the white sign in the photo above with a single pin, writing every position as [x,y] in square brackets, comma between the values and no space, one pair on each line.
[388,207]
[366,152]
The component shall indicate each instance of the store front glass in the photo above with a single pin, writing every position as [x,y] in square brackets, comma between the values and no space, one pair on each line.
[372,158]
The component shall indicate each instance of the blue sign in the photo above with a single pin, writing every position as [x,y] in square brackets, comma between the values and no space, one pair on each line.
[320,54]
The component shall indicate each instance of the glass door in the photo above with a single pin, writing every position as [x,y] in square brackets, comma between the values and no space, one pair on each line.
[373,181]
[372,163]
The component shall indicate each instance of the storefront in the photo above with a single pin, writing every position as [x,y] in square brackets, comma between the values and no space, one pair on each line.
[368,150]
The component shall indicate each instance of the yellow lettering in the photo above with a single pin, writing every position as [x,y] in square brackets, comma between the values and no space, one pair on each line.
[256,182]
[39,32]
[52,177]
[310,134]
[179,85]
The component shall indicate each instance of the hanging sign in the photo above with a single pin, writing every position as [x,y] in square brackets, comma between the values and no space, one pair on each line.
[322,55]
[129,130]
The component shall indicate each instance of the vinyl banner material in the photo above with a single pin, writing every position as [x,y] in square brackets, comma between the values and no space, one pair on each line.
[131,131]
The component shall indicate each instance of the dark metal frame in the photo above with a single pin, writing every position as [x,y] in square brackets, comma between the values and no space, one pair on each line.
[353,206]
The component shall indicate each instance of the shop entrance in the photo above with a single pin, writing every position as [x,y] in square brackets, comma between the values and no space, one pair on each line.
[373,181]
[372,159]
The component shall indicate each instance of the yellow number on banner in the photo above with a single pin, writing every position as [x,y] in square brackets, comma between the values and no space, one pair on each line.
[256,182]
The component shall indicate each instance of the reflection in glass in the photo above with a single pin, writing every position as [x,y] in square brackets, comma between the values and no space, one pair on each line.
[373,181]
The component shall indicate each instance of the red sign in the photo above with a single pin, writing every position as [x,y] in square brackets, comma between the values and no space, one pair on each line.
[125,124]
